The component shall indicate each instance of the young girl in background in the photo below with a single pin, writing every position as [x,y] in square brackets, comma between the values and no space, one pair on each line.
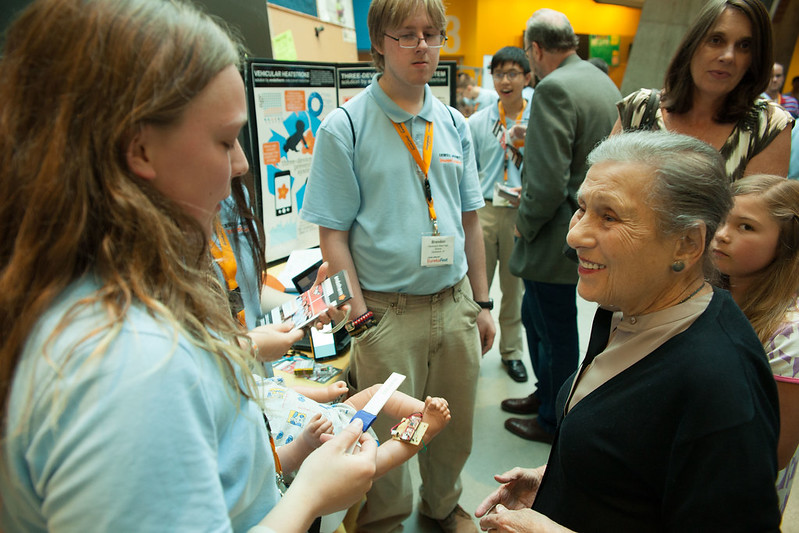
[757,253]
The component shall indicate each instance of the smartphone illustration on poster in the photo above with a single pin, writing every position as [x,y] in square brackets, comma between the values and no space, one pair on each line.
[282,193]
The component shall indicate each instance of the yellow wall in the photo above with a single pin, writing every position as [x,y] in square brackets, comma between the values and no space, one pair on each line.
[793,69]
[493,24]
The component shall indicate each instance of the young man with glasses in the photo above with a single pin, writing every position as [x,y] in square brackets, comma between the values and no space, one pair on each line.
[498,135]
[394,189]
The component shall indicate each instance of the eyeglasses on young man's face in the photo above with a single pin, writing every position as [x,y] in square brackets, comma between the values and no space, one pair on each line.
[411,40]
[511,74]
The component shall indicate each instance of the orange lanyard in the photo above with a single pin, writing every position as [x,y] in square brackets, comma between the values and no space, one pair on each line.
[281,483]
[422,162]
[505,130]
[226,260]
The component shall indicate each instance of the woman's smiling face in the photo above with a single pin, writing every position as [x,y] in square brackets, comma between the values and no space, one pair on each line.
[625,262]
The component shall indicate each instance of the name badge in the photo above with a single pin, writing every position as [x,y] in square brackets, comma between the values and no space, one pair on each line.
[438,250]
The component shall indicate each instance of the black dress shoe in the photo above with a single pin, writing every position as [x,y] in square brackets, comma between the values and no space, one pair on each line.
[522,406]
[529,429]
[516,370]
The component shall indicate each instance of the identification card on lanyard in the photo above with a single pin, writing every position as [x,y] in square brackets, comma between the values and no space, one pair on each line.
[437,249]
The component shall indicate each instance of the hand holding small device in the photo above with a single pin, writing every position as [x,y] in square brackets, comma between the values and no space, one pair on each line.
[318,302]
[517,133]
[511,194]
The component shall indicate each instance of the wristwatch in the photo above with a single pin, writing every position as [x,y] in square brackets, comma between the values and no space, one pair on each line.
[486,305]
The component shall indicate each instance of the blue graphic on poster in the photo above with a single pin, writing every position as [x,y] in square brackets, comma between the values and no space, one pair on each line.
[290,101]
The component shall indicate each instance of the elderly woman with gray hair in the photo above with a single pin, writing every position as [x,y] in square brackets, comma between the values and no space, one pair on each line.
[671,422]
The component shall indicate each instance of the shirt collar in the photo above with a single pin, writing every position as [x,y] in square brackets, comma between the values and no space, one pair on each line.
[694,306]
[395,112]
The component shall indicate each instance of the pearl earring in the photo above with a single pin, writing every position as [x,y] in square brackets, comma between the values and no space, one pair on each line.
[678,266]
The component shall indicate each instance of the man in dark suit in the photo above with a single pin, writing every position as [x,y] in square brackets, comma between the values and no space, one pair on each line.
[573,109]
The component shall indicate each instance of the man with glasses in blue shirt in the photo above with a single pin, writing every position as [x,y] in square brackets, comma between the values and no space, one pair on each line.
[498,135]
[394,189]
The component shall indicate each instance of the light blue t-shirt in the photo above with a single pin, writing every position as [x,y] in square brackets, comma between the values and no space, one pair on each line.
[793,170]
[147,435]
[488,153]
[486,98]
[375,190]
[527,92]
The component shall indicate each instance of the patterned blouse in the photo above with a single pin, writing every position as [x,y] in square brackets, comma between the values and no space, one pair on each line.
[783,355]
[750,136]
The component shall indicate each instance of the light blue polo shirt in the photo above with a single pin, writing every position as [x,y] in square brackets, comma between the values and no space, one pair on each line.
[375,190]
[488,153]
[147,435]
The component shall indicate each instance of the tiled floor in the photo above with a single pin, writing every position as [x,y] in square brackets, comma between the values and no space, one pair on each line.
[495,450]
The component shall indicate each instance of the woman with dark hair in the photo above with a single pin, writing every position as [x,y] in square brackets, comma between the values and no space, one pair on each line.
[712,91]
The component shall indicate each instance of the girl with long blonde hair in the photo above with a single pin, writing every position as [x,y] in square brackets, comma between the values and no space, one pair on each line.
[123,384]
[757,253]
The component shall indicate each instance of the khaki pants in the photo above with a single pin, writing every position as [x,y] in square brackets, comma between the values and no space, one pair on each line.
[432,340]
[498,224]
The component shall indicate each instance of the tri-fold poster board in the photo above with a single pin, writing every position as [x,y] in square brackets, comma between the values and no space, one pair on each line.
[287,103]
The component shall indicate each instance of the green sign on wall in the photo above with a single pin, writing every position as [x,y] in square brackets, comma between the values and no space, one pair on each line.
[605,47]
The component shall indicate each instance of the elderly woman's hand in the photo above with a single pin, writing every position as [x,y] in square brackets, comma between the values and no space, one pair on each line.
[518,490]
[502,519]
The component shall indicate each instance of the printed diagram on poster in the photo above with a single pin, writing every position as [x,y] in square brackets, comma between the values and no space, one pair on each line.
[288,101]
[288,104]
[352,79]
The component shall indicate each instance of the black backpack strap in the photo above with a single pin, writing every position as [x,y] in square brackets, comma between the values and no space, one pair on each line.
[449,110]
[352,126]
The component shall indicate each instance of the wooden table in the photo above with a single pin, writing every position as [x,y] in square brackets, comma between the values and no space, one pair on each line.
[340,361]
